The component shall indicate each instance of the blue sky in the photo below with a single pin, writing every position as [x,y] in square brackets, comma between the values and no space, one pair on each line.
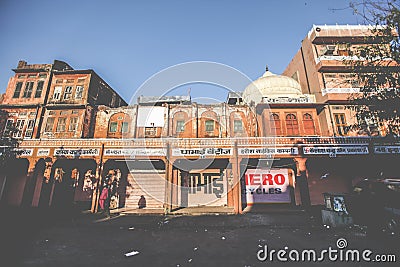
[126,42]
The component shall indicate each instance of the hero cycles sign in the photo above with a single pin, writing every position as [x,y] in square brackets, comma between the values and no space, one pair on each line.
[267,186]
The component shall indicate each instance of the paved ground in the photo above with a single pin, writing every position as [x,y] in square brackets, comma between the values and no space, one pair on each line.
[33,238]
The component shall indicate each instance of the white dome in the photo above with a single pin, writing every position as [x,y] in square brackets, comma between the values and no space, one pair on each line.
[271,86]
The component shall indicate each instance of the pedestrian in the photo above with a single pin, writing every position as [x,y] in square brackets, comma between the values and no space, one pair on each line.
[105,196]
[142,202]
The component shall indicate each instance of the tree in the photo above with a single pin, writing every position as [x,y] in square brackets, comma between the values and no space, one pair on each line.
[377,66]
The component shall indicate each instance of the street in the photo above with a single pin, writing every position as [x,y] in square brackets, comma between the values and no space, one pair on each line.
[33,238]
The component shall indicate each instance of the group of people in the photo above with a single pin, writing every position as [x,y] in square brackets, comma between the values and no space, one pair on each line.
[109,194]
[108,189]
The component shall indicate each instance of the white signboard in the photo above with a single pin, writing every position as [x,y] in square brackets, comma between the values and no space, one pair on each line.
[42,152]
[387,149]
[288,100]
[24,152]
[76,152]
[337,150]
[151,117]
[132,152]
[201,152]
[272,151]
[267,186]
[340,91]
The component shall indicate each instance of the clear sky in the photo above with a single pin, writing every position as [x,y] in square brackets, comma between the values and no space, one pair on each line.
[126,42]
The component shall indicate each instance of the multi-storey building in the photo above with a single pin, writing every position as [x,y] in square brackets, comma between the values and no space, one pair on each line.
[322,66]
[267,144]
[54,101]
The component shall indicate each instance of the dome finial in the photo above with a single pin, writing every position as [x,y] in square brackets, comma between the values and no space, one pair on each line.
[266,68]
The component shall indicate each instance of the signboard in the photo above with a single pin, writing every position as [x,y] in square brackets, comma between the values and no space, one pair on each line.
[340,91]
[271,151]
[151,116]
[267,186]
[288,100]
[24,152]
[42,152]
[337,150]
[76,152]
[201,152]
[132,152]
[387,149]
[203,187]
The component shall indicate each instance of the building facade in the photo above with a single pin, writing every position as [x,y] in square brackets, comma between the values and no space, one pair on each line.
[269,144]
[322,67]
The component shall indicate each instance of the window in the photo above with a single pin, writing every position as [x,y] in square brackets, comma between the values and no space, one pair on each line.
[78,92]
[275,124]
[59,81]
[49,125]
[61,125]
[340,123]
[28,90]
[81,80]
[209,125]
[308,124]
[67,92]
[32,76]
[39,89]
[29,129]
[57,92]
[43,75]
[73,124]
[70,80]
[292,126]
[19,126]
[21,76]
[17,91]
[237,126]
[180,126]
[113,127]
[8,128]
[125,127]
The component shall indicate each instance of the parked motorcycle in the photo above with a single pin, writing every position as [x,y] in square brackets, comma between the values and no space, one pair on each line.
[375,203]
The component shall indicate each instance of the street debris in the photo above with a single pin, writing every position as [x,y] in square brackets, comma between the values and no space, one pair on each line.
[195,249]
[205,230]
[190,260]
[132,253]
[131,228]
[223,238]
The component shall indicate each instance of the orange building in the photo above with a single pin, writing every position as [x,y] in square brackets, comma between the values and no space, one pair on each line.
[321,66]
[265,145]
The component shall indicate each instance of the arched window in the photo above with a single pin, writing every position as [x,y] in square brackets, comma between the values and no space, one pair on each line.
[179,122]
[275,122]
[308,123]
[292,125]
[119,125]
